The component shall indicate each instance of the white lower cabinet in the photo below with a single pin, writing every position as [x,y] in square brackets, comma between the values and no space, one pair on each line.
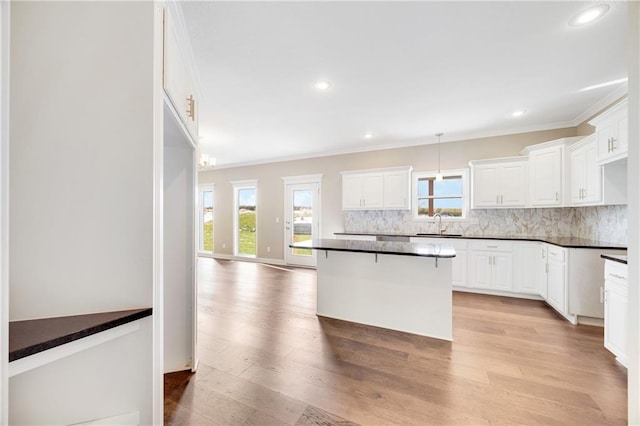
[491,265]
[615,309]
[556,279]
[530,268]
[458,264]
[542,270]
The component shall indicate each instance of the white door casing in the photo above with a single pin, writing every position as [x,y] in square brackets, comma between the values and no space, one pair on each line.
[301,216]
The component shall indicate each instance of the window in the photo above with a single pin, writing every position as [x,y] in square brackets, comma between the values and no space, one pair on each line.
[448,197]
[245,218]
[205,218]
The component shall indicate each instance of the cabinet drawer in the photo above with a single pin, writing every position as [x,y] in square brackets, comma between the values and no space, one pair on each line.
[616,272]
[493,245]
[556,254]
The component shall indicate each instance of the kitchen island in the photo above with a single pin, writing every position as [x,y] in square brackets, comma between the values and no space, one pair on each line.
[395,285]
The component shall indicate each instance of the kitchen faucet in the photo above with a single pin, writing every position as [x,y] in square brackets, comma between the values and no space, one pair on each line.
[439,216]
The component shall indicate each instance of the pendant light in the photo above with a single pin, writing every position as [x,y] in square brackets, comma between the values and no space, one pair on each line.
[439,177]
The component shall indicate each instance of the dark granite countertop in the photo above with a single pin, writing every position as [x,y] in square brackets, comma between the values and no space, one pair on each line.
[568,242]
[380,247]
[615,258]
[29,337]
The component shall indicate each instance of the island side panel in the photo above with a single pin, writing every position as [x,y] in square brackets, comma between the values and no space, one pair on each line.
[405,293]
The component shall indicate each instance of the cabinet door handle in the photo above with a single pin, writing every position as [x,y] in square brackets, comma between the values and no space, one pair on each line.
[542,254]
[191,108]
[557,195]
[613,142]
[492,246]
[618,276]
[497,199]
[502,199]
[601,294]
[609,145]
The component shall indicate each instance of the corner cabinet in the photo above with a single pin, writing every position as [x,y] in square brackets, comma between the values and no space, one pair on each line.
[379,189]
[612,133]
[178,73]
[530,268]
[557,281]
[499,183]
[592,183]
[548,170]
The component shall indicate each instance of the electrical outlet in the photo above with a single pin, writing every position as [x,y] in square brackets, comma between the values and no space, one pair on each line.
[277,220]
[224,245]
[268,249]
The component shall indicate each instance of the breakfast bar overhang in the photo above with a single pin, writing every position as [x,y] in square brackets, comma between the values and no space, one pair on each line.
[395,285]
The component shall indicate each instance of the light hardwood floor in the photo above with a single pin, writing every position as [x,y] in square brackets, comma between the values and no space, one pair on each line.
[266,359]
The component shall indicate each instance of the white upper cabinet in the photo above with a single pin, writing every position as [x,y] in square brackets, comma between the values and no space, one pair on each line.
[548,167]
[179,75]
[499,182]
[612,133]
[373,191]
[586,174]
[592,183]
[397,189]
[377,189]
[545,177]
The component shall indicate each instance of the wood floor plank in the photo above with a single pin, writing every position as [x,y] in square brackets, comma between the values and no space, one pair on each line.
[267,359]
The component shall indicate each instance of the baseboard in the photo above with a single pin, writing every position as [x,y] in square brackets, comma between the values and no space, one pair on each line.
[497,293]
[223,256]
[598,322]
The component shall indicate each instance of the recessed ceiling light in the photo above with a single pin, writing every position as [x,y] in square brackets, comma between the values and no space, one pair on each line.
[608,83]
[368,135]
[589,15]
[322,85]
[518,113]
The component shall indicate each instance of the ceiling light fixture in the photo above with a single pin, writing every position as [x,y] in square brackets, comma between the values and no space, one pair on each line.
[518,113]
[439,177]
[368,135]
[322,85]
[608,83]
[589,15]
[206,161]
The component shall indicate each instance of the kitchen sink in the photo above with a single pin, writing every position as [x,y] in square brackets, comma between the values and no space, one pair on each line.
[439,235]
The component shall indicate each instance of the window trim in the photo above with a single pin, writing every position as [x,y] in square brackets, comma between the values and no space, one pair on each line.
[416,176]
[237,186]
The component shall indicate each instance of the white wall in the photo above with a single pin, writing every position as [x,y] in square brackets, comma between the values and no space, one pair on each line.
[179,249]
[4,208]
[85,183]
[82,157]
[634,213]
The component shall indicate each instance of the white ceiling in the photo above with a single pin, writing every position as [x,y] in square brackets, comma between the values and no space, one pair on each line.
[400,70]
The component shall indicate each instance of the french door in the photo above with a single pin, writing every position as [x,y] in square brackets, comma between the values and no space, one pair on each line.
[302,220]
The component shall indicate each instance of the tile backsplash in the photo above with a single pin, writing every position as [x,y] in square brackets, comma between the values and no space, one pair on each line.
[603,223]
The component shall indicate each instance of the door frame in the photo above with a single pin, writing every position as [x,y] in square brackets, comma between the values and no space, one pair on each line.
[203,187]
[315,179]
